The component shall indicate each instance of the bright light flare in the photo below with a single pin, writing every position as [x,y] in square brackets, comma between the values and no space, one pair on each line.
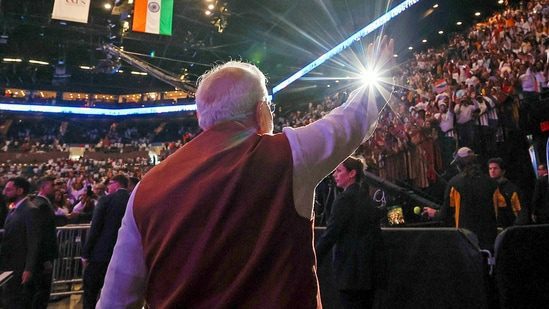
[370,78]
[380,21]
[373,72]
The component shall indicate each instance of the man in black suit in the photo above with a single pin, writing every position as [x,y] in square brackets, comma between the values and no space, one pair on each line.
[97,252]
[21,244]
[48,243]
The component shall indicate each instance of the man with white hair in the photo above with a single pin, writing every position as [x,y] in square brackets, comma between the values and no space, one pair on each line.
[226,221]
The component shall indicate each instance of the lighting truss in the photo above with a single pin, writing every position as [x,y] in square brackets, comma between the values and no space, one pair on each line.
[343,45]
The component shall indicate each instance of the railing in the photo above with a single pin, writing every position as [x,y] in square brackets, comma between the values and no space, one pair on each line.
[67,268]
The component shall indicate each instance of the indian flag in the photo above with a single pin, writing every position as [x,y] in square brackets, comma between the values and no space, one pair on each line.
[153,16]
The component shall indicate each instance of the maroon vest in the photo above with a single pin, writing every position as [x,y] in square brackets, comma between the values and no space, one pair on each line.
[219,226]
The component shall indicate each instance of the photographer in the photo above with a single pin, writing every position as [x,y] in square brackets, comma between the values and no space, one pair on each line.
[465,118]
[83,210]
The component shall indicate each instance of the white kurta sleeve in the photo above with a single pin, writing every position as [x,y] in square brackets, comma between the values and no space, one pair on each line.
[319,147]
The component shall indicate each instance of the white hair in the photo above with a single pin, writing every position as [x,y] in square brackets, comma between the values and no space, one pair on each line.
[229,91]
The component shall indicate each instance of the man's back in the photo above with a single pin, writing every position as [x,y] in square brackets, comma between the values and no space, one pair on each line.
[239,202]
[48,246]
[106,221]
[235,242]
[471,196]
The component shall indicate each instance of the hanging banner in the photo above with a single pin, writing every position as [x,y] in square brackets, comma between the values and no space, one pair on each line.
[153,16]
[71,10]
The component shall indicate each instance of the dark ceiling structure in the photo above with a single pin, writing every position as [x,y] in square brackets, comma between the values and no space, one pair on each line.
[280,37]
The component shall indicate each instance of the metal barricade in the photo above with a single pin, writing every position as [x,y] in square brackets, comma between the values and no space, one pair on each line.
[67,268]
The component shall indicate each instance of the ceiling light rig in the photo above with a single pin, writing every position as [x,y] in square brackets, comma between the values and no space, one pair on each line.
[12,60]
[218,12]
[119,23]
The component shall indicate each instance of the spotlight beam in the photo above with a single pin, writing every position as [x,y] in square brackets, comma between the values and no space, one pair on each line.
[380,21]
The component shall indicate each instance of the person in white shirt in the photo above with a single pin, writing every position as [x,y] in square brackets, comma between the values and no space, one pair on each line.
[465,119]
[528,81]
[448,137]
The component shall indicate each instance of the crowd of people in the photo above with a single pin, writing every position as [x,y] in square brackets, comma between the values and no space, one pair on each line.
[482,90]
[31,135]
[29,239]
[459,104]
[78,184]
[486,90]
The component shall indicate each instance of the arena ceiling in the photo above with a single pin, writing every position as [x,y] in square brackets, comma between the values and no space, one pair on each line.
[280,36]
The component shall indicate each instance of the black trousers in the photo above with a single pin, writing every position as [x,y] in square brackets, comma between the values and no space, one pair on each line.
[467,135]
[43,287]
[17,295]
[94,276]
